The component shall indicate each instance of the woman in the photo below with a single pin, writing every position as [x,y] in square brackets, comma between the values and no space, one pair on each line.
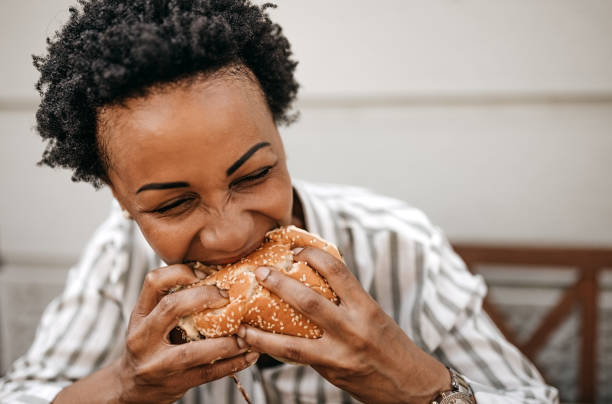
[174,106]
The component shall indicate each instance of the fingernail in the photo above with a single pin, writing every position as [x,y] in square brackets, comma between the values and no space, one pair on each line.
[199,274]
[251,357]
[241,332]
[297,250]
[262,273]
[241,343]
[223,292]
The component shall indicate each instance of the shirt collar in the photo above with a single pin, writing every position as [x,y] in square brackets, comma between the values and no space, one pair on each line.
[318,217]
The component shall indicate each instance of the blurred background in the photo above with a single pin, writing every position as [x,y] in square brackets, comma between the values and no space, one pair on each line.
[494,117]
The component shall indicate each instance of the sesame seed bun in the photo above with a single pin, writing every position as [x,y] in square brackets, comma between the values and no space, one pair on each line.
[251,303]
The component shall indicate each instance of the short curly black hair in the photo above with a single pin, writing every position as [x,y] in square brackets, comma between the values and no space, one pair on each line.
[113,50]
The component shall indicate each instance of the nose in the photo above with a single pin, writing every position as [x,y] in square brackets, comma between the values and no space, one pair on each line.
[227,233]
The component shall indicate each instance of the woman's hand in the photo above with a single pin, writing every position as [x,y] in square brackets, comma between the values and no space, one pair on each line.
[151,369]
[363,351]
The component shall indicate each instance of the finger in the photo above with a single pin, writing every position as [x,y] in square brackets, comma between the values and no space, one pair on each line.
[339,277]
[158,282]
[206,373]
[289,348]
[196,353]
[184,380]
[163,318]
[308,302]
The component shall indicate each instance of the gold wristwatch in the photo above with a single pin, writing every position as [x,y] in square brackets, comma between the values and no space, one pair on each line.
[460,392]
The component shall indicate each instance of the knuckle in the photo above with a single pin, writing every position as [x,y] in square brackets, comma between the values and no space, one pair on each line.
[379,320]
[360,344]
[358,368]
[337,268]
[310,253]
[311,303]
[207,293]
[322,259]
[309,250]
[142,374]
[230,347]
[373,313]
[225,347]
[183,355]
[207,373]
[360,337]
[133,342]
[167,305]
[292,353]
[152,279]
[204,290]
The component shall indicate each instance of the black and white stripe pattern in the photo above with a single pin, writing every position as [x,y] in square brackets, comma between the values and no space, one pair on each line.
[398,256]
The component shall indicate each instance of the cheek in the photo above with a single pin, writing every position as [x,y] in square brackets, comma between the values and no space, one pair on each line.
[267,207]
[277,201]
[168,240]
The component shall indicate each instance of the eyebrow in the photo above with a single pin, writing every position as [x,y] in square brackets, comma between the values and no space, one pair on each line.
[245,157]
[162,185]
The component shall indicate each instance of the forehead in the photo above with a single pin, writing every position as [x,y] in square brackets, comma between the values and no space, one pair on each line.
[212,120]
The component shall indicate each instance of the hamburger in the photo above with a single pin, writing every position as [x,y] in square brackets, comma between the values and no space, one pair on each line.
[249,302]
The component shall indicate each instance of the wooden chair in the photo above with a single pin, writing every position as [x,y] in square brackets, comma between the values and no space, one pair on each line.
[589,262]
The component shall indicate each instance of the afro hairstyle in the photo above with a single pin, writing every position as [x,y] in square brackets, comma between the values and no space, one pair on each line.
[113,50]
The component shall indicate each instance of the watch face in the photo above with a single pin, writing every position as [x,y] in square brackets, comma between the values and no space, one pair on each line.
[458,398]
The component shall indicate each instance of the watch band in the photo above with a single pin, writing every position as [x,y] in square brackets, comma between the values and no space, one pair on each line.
[460,392]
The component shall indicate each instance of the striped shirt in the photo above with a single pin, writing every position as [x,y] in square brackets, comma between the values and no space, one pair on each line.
[403,261]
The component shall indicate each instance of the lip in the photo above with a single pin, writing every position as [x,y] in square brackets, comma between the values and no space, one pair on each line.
[224,261]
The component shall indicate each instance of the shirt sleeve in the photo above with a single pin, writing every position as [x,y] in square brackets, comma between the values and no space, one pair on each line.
[453,326]
[80,328]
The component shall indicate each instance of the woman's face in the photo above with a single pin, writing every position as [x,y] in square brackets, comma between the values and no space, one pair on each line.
[200,167]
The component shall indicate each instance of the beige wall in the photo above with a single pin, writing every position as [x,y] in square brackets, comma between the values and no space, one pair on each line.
[493,117]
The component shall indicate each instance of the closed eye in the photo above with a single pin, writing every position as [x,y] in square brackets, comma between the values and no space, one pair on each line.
[171,205]
[257,175]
